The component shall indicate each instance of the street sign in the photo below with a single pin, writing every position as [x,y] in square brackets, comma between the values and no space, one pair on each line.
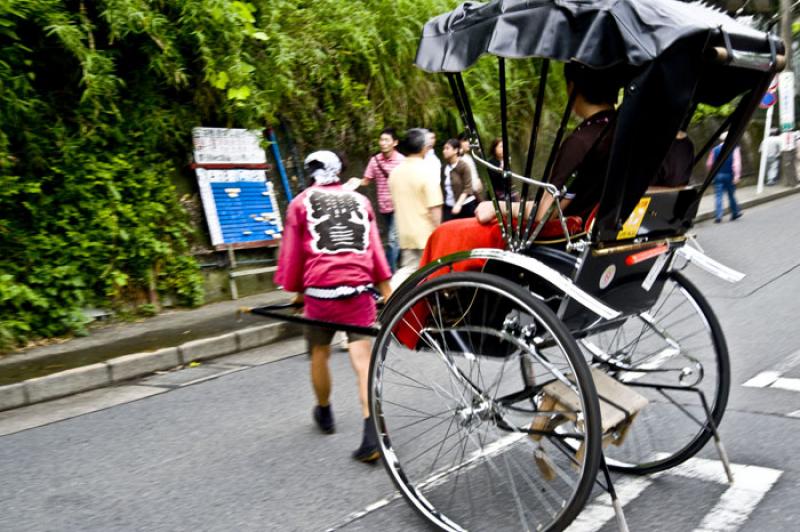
[770,97]
[240,207]
[238,198]
[786,95]
[222,146]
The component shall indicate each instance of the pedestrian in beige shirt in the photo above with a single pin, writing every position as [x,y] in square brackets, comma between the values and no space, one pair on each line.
[417,198]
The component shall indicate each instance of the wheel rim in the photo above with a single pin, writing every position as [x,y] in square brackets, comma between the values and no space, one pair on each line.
[677,343]
[451,432]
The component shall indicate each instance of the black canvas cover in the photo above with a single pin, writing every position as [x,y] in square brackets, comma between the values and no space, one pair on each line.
[664,44]
[597,33]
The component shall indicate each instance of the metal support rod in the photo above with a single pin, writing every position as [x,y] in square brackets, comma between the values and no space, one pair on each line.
[279,312]
[462,102]
[723,455]
[708,426]
[622,523]
[506,159]
[786,31]
[537,117]
[468,109]
[232,266]
[276,153]
[552,158]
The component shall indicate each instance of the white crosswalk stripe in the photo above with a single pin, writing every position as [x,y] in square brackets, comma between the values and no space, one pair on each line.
[751,484]
[774,378]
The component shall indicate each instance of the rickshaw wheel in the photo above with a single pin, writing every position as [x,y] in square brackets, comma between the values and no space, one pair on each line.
[679,349]
[454,414]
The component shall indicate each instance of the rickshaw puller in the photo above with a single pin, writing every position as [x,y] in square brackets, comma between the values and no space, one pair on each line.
[332,255]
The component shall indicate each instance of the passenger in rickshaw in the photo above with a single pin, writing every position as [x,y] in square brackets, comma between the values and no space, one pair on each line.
[582,158]
[677,168]
[580,167]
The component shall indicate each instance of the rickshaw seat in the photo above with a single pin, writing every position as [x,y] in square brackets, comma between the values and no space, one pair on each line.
[467,233]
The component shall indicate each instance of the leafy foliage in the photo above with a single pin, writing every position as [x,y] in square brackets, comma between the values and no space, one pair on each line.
[97,100]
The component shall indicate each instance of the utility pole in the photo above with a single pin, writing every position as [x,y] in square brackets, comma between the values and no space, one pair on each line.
[787,100]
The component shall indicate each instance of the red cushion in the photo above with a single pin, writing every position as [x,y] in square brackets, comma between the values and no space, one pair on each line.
[553,229]
[461,235]
[451,237]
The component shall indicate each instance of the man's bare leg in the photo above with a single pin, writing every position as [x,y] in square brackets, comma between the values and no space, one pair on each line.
[321,380]
[320,373]
[360,352]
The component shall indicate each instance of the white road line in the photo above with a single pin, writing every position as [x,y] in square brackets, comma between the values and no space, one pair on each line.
[787,384]
[768,378]
[764,379]
[599,512]
[796,413]
[355,516]
[734,507]
[437,478]
[731,511]
[738,502]
[774,378]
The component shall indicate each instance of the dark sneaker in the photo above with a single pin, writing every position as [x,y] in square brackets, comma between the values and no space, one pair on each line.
[736,216]
[717,220]
[368,452]
[323,415]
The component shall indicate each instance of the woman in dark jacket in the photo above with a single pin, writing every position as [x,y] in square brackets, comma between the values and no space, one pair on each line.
[456,182]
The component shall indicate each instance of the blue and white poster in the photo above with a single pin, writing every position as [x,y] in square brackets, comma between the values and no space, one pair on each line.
[238,199]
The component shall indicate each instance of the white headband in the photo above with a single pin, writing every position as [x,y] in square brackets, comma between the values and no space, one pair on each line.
[329,173]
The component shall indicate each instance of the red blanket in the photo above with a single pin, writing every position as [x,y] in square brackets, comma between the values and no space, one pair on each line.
[462,235]
[467,233]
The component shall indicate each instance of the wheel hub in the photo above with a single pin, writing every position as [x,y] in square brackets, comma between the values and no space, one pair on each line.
[473,415]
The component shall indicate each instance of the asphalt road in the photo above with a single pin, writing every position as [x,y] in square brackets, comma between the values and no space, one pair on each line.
[231,446]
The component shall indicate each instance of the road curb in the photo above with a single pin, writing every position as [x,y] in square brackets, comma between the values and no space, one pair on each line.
[752,202]
[67,382]
[124,368]
[131,366]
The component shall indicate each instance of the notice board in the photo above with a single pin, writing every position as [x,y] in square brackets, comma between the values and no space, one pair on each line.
[238,198]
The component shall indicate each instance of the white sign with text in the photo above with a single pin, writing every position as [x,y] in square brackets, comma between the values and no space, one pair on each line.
[786,98]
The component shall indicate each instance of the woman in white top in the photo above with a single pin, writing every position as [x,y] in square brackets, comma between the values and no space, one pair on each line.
[456,180]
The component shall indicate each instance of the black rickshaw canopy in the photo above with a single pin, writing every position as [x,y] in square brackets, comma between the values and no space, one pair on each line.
[674,55]
[597,33]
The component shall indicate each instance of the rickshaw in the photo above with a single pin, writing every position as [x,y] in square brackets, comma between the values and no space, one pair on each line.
[507,384]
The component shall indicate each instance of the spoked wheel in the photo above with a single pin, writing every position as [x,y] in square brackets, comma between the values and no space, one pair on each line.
[668,355]
[468,443]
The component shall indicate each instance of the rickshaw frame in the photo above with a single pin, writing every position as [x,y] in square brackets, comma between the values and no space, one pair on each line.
[567,301]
